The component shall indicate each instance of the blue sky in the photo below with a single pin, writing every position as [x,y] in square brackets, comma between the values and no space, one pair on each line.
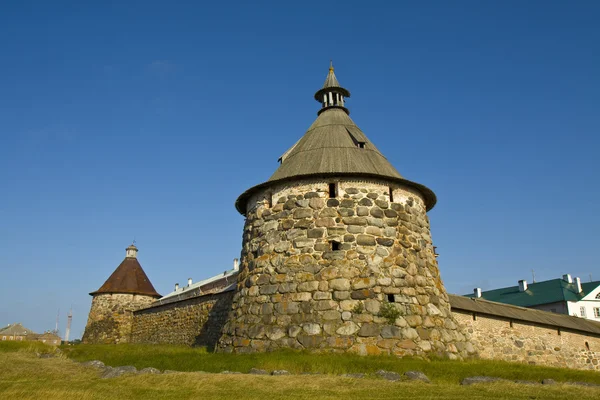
[145,120]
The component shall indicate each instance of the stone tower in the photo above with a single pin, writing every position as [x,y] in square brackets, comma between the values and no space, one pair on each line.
[337,253]
[126,290]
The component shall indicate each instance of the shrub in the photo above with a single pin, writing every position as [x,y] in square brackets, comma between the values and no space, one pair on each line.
[390,312]
[358,308]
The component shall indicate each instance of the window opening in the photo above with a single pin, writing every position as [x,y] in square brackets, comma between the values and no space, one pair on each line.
[269,200]
[582,311]
[598,296]
[597,312]
[333,245]
[391,194]
[511,324]
[332,191]
[587,346]
[361,145]
[391,298]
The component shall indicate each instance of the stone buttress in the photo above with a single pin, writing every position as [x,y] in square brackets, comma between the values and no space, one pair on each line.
[337,252]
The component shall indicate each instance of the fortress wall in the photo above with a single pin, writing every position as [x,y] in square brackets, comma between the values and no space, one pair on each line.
[194,321]
[352,273]
[111,317]
[497,339]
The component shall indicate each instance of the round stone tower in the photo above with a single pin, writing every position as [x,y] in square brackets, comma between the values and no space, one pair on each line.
[126,290]
[337,253]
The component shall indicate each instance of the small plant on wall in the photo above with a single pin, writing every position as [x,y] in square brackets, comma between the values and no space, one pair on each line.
[390,312]
[358,308]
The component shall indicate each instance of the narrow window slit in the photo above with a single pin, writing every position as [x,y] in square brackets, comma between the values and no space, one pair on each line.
[269,200]
[391,194]
[361,145]
[391,298]
[334,245]
[332,191]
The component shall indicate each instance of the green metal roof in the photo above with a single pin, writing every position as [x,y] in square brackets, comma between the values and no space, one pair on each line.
[552,291]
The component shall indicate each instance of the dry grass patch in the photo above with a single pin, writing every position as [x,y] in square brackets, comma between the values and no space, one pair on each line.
[25,376]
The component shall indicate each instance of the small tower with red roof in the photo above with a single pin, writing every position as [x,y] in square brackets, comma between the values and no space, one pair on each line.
[126,290]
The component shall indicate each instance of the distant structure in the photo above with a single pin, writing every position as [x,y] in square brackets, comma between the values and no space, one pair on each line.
[68,330]
[567,295]
[126,290]
[337,252]
[17,332]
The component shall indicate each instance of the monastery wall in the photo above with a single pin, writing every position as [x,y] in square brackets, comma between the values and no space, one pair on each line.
[498,338]
[194,321]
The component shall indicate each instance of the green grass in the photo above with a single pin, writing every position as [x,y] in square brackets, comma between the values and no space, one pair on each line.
[25,346]
[25,376]
[181,358]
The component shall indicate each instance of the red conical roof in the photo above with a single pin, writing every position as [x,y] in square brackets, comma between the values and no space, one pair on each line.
[129,278]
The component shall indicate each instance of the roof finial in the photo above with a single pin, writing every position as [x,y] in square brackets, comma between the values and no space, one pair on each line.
[330,65]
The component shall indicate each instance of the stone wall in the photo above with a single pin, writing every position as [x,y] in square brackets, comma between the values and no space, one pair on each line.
[195,321]
[498,338]
[111,317]
[356,273]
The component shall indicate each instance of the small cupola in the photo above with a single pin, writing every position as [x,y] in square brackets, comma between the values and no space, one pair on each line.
[131,251]
[332,95]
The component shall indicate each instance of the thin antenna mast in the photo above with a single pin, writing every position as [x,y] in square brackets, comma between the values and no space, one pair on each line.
[57,315]
[533,275]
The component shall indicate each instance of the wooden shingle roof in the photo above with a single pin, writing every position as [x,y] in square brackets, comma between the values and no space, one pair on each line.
[128,278]
[334,146]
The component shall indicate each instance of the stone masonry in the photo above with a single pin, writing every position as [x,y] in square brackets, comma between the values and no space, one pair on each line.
[196,321]
[111,317]
[355,272]
[498,338]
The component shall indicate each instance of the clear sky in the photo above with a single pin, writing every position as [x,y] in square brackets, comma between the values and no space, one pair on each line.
[145,120]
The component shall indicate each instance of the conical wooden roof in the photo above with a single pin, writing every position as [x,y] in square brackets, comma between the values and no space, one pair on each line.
[333,146]
[128,278]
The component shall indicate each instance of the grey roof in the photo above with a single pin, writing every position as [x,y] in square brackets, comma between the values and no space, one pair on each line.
[16,330]
[509,311]
[330,145]
[330,148]
[206,286]
[331,82]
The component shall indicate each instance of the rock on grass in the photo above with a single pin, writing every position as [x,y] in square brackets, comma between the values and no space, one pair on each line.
[479,379]
[416,376]
[389,375]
